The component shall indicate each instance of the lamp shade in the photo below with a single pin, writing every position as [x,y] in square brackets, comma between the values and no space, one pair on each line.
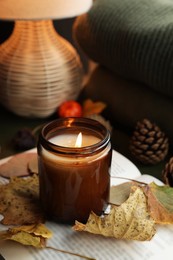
[42,9]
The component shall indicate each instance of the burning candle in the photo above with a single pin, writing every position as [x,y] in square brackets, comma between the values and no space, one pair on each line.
[74,165]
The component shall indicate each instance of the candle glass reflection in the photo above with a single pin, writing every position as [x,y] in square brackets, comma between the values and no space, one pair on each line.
[74,180]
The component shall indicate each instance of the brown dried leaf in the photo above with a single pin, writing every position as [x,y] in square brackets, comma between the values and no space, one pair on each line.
[17,165]
[19,201]
[120,193]
[90,107]
[160,202]
[33,165]
[33,235]
[129,221]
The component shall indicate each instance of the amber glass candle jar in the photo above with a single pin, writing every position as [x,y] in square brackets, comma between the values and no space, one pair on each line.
[74,177]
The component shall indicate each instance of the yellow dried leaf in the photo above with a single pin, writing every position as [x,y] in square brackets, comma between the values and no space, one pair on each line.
[90,107]
[28,239]
[32,235]
[36,229]
[129,221]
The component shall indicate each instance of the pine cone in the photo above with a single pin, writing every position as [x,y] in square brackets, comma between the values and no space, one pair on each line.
[148,143]
[168,173]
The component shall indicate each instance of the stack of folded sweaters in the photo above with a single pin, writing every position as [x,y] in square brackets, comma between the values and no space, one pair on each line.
[132,41]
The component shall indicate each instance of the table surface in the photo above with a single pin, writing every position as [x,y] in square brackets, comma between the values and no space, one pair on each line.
[11,123]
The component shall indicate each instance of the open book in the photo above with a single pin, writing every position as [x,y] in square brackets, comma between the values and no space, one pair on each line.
[94,246]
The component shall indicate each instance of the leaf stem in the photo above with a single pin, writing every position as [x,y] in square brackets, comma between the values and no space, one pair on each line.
[70,253]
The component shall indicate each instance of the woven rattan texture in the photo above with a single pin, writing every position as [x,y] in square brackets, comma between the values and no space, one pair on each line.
[38,70]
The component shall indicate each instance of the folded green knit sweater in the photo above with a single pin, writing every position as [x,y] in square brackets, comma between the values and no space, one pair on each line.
[133,38]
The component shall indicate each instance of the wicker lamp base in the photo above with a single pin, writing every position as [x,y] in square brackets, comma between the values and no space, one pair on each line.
[38,70]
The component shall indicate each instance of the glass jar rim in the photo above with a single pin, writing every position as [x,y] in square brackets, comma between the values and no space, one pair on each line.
[68,123]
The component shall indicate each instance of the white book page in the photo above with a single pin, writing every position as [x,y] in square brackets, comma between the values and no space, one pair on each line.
[98,247]
[123,168]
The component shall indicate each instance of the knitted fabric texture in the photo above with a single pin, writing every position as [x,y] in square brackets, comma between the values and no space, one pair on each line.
[132,38]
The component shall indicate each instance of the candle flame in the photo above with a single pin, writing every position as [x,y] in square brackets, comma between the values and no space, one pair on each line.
[79,140]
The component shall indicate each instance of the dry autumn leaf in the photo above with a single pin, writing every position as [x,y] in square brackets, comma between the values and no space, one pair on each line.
[32,235]
[19,201]
[120,193]
[33,165]
[160,202]
[129,221]
[90,107]
[17,165]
